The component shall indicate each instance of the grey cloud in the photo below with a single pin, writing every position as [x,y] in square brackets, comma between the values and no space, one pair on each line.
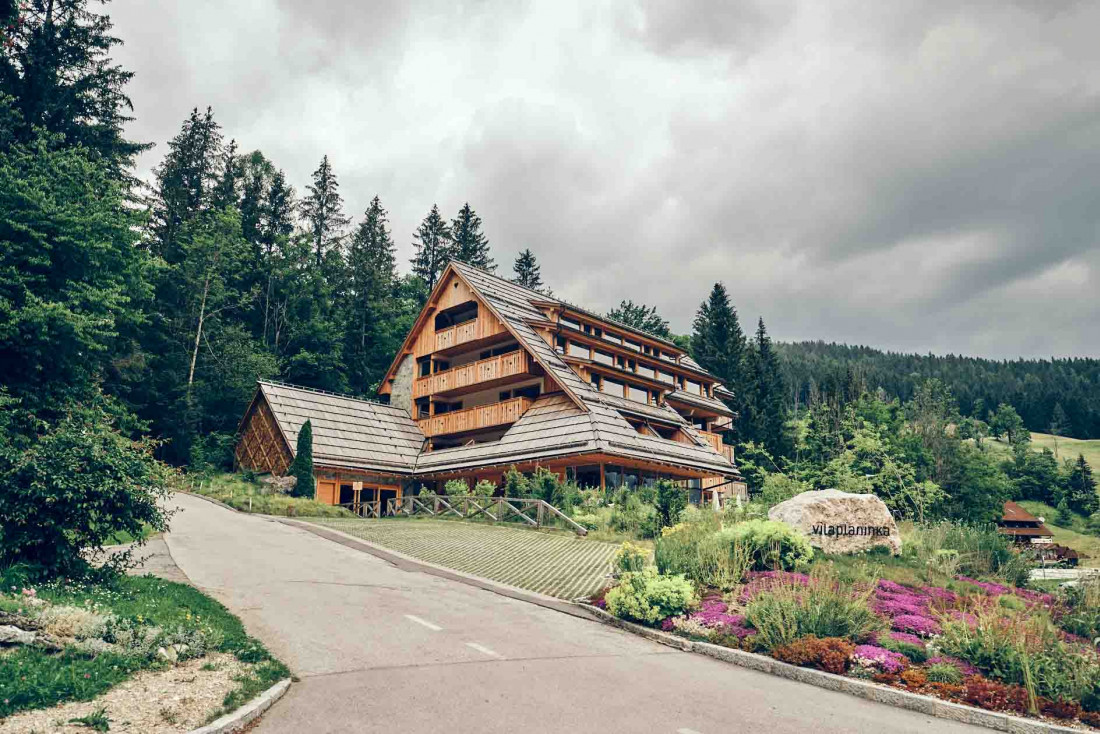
[919,176]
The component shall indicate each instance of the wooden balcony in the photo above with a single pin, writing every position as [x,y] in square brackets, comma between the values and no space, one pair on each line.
[716,441]
[459,334]
[475,419]
[478,375]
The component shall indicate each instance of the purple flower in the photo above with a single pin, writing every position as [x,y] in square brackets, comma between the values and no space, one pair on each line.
[918,625]
[970,619]
[668,624]
[988,588]
[760,581]
[961,665]
[940,594]
[907,638]
[892,587]
[885,660]
[900,606]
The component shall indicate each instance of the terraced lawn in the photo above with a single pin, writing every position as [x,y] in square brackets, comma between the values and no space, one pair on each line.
[557,564]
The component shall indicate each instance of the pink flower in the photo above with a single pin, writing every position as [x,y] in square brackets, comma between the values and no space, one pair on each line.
[961,665]
[907,638]
[918,625]
[29,592]
[885,660]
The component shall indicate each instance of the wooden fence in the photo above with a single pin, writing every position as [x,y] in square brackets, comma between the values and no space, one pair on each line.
[535,513]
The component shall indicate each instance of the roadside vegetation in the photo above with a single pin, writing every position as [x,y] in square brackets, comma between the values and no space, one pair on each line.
[89,637]
[245,492]
[951,616]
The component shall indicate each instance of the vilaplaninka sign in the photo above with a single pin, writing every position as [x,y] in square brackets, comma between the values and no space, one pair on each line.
[840,522]
[828,530]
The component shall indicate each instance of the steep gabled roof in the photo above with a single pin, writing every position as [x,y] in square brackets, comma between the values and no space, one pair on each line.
[347,432]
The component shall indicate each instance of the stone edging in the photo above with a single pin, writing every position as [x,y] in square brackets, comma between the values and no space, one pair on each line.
[211,499]
[864,689]
[236,720]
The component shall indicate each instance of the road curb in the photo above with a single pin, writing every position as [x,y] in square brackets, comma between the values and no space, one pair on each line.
[409,563]
[236,720]
[216,502]
[853,686]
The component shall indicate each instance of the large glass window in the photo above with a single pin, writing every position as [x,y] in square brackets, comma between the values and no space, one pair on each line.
[613,387]
[587,476]
[603,357]
[637,393]
[570,323]
[579,350]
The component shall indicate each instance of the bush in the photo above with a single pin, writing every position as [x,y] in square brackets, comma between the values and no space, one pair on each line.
[649,597]
[484,488]
[635,517]
[713,559]
[973,550]
[70,491]
[830,654]
[780,488]
[456,488]
[516,485]
[943,673]
[823,607]
[630,558]
[772,545]
[671,500]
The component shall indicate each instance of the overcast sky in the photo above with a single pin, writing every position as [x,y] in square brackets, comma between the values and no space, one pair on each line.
[912,176]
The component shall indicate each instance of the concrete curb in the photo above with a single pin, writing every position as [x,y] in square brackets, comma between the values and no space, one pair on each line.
[216,502]
[237,720]
[409,563]
[853,686]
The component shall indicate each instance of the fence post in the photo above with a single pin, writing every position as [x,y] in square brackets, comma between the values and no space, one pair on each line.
[538,520]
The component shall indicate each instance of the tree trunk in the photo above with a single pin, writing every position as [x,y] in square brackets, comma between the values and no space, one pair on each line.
[198,334]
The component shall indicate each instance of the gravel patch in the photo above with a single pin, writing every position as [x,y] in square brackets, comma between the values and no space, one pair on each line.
[178,699]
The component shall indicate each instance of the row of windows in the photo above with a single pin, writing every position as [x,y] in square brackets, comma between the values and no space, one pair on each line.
[623,389]
[625,341]
[583,351]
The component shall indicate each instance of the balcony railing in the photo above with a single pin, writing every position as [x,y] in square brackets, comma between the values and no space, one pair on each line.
[471,375]
[716,441]
[476,418]
[452,336]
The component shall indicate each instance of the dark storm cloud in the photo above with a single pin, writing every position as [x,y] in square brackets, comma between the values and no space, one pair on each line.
[919,176]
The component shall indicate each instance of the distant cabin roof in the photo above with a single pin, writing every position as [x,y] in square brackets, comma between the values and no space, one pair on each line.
[1014,513]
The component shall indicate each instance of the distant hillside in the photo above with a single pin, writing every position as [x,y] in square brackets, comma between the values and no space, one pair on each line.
[1032,386]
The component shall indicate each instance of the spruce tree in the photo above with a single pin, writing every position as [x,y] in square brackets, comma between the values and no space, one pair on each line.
[471,246]
[765,418]
[56,68]
[718,343]
[640,316]
[528,271]
[302,466]
[370,339]
[434,249]
[323,212]
[1081,488]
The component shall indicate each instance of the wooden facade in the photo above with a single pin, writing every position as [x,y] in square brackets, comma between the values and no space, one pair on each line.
[481,374]
[477,418]
[262,447]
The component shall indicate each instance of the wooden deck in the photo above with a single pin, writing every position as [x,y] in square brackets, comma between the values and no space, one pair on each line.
[475,375]
[476,418]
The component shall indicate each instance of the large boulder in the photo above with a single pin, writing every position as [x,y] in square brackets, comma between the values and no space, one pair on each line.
[840,522]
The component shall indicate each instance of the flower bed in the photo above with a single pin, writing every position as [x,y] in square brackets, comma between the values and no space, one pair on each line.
[971,641]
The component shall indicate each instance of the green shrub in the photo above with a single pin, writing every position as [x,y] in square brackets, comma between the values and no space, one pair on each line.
[635,517]
[1082,610]
[943,673]
[516,485]
[915,653]
[302,466]
[485,488]
[671,500]
[72,489]
[712,558]
[773,545]
[824,607]
[972,550]
[630,558]
[780,488]
[648,597]
[456,488]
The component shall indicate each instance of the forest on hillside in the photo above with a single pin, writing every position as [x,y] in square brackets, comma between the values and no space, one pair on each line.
[1058,396]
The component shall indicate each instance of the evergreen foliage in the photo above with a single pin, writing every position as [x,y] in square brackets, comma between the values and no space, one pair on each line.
[470,245]
[323,212]
[433,250]
[1081,488]
[527,271]
[640,316]
[302,466]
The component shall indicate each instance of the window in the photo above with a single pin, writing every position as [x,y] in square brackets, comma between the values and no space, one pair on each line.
[647,371]
[597,381]
[454,315]
[636,346]
[559,344]
[613,387]
[613,338]
[579,350]
[527,391]
[425,366]
[587,476]
[497,351]
[666,377]
[692,386]
[603,357]
[637,394]
[646,349]
[570,323]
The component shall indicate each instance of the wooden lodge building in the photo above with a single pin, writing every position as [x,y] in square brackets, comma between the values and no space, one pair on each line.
[494,375]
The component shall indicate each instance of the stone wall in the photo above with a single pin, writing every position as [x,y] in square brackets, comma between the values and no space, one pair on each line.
[401,391]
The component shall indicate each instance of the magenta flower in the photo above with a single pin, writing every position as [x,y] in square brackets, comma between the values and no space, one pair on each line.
[907,638]
[885,660]
[918,625]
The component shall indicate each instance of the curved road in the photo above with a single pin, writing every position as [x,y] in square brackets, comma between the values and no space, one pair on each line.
[379,649]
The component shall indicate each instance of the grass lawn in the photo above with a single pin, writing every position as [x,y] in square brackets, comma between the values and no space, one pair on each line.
[1068,448]
[1071,536]
[122,537]
[141,607]
[235,491]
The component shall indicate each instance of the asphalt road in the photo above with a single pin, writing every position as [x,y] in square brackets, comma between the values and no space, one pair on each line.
[379,649]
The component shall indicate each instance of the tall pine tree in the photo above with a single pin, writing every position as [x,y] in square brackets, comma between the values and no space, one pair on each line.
[1081,488]
[718,343]
[470,245]
[372,274]
[433,249]
[527,270]
[765,418]
[323,212]
[641,316]
[56,67]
